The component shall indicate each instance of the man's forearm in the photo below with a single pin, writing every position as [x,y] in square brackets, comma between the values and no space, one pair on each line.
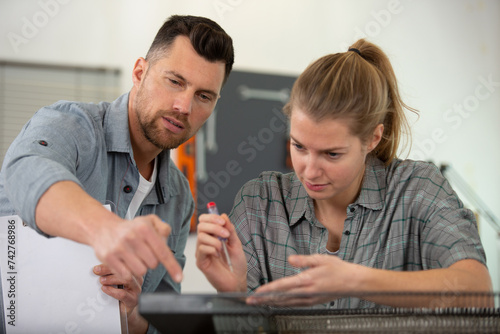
[66,210]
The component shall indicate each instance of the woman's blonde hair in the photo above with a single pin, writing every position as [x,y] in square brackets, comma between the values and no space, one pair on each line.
[358,85]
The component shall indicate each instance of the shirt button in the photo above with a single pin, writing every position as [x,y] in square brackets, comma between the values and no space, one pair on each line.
[347,232]
[352,209]
[332,303]
[127,189]
[42,142]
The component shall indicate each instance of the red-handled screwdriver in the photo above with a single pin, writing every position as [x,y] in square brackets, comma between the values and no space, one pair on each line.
[212,208]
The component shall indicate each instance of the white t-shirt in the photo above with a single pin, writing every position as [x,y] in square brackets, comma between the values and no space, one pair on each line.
[142,191]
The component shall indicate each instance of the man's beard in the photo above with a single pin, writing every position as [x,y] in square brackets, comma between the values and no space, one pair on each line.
[153,130]
[161,137]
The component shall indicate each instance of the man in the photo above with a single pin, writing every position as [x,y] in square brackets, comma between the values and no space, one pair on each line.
[71,158]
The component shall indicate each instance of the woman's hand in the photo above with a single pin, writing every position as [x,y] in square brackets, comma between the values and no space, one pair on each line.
[327,277]
[322,278]
[210,256]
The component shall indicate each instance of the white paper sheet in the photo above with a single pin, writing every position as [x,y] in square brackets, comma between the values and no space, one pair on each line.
[48,285]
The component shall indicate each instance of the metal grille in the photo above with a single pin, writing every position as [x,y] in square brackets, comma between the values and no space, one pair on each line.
[228,313]
[392,321]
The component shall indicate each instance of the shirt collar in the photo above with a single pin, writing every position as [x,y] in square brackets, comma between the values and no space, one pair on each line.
[301,205]
[118,140]
[116,126]
[373,188]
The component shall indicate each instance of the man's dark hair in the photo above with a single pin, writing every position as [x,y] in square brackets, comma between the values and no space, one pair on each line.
[208,39]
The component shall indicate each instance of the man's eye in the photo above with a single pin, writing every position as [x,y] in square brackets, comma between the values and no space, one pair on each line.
[174,82]
[297,146]
[206,97]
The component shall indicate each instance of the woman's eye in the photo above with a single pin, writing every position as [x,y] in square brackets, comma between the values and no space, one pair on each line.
[297,146]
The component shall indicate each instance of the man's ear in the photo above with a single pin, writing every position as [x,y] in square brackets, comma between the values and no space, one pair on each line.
[139,71]
[376,137]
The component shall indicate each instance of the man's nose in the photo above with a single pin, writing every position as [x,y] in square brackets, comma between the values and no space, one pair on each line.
[183,102]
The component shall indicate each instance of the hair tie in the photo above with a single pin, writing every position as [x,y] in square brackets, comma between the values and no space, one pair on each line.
[355,50]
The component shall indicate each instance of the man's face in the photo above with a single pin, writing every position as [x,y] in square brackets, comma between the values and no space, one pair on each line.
[175,95]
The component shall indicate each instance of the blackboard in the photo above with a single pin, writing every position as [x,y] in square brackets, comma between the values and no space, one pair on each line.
[246,134]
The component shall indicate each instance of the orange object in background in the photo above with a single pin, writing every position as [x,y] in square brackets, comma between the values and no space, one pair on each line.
[186,162]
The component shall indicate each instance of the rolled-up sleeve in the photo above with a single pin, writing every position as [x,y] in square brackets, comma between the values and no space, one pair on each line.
[53,146]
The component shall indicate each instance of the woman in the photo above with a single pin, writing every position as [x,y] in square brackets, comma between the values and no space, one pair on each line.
[351,217]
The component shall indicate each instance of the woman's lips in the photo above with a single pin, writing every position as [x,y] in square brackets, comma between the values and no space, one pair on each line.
[315,186]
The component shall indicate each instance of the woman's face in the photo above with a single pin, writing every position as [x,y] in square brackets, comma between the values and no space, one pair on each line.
[327,158]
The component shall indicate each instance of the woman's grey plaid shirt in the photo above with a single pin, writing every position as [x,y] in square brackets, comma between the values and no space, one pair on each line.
[406,218]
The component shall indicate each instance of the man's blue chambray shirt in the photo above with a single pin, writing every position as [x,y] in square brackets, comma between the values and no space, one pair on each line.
[90,145]
[406,218]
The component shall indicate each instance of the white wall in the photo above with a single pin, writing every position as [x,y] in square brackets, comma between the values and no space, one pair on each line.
[444,52]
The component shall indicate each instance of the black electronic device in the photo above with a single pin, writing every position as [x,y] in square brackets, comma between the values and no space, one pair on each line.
[229,313]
